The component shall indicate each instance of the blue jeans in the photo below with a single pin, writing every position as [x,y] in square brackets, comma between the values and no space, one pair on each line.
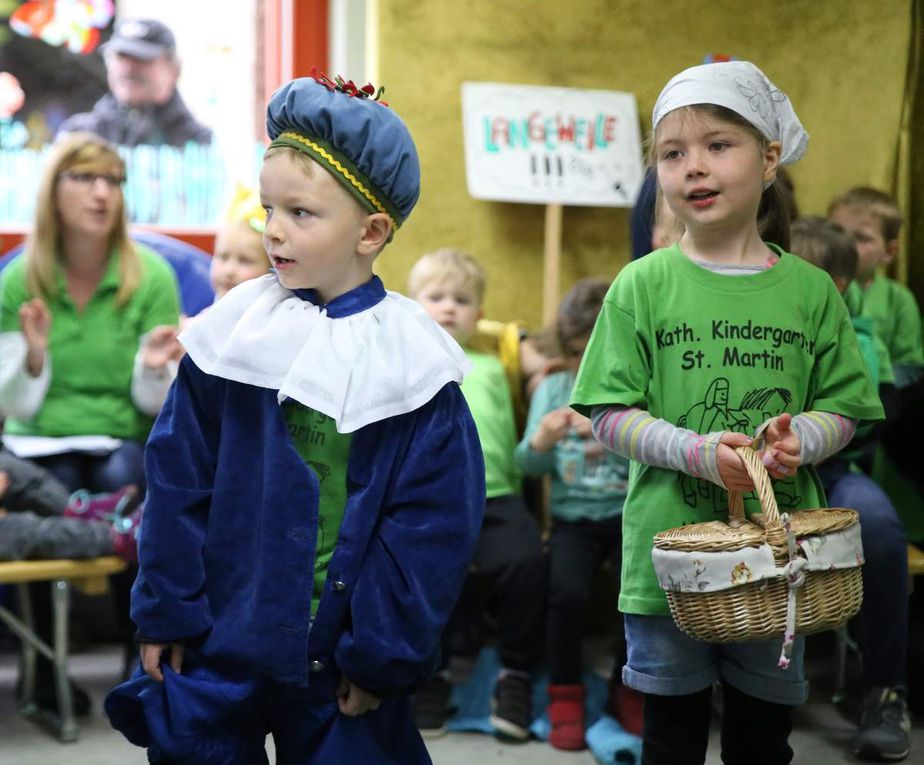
[664,661]
[881,626]
[99,473]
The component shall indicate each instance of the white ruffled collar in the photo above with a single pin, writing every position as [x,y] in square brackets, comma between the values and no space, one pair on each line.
[365,356]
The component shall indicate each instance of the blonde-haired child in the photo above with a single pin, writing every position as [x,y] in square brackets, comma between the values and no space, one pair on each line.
[450,285]
[239,253]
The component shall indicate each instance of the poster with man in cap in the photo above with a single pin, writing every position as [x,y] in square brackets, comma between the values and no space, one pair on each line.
[143,105]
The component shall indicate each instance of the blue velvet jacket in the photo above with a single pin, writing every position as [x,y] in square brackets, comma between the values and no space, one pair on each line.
[229,531]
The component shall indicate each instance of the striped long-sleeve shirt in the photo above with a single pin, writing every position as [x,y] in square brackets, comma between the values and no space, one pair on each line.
[636,434]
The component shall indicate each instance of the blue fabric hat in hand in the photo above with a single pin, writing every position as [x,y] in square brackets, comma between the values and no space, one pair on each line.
[354,136]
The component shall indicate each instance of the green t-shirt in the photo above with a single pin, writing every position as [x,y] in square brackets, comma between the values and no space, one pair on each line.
[894,310]
[93,351]
[327,453]
[488,396]
[710,352]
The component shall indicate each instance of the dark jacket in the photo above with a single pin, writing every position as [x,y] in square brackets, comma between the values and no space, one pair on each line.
[171,123]
[229,533]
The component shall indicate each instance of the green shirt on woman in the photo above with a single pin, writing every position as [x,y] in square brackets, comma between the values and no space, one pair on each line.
[92,351]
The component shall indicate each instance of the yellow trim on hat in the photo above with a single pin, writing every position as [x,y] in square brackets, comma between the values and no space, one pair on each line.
[334,163]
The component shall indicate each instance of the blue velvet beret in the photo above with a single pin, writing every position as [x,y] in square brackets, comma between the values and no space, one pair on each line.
[357,138]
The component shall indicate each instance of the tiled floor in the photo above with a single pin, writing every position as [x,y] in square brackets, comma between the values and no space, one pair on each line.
[821,736]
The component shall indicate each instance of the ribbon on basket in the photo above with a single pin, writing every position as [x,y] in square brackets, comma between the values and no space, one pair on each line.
[795,578]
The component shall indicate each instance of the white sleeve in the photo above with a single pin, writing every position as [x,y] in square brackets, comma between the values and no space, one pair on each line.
[21,394]
[150,386]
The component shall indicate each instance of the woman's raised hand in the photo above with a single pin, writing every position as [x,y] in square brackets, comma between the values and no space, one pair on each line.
[160,346]
[35,322]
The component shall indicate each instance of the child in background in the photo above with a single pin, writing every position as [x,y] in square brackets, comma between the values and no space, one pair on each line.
[881,626]
[315,479]
[239,253]
[588,489]
[874,221]
[41,519]
[697,346]
[450,285]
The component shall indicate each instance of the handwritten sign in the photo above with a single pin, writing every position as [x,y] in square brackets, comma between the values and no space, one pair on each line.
[526,143]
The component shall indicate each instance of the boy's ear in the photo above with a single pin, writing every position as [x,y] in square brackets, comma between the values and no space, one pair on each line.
[375,234]
[891,250]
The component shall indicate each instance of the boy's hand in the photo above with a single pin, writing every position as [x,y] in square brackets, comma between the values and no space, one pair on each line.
[552,428]
[353,700]
[152,654]
[780,454]
[731,466]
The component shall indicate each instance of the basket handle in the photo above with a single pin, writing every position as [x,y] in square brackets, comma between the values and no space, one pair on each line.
[758,474]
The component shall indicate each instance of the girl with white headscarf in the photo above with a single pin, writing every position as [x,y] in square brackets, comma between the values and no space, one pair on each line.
[698,346]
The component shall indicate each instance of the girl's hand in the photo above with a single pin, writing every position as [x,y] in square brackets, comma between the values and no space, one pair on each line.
[731,467]
[353,700]
[160,346]
[152,655]
[582,425]
[780,454]
[552,428]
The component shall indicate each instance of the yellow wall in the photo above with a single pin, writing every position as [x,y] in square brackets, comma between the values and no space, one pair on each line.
[843,64]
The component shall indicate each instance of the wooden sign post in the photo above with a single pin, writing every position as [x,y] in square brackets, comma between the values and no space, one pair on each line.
[551,264]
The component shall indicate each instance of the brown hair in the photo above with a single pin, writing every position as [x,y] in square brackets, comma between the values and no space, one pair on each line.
[877,203]
[773,215]
[578,310]
[825,244]
[81,152]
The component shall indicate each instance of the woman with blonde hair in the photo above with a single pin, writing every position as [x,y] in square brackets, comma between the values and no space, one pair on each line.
[86,321]
[87,327]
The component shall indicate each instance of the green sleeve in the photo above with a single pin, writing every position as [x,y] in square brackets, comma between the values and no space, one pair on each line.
[161,294]
[886,372]
[841,383]
[529,461]
[907,336]
[608,376]
[12,295]
[905,349]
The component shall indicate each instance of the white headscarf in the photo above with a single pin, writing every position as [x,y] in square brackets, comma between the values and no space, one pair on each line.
[743,88]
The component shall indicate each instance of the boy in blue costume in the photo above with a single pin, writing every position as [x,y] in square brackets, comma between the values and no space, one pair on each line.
[316,485]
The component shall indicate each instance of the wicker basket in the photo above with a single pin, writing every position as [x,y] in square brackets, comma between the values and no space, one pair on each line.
[822,599]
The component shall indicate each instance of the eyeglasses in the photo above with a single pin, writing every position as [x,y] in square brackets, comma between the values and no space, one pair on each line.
[88,179]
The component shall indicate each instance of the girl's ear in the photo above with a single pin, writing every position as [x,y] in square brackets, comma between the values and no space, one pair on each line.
[771,160]
[375,234]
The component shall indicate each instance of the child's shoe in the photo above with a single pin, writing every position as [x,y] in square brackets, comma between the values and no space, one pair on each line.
[566,716]
[625,705]
[512,705]
[103,507]
[125,536]
[885,729]
[431,706]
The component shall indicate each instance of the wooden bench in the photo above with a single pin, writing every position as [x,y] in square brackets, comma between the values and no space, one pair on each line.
[88,576]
